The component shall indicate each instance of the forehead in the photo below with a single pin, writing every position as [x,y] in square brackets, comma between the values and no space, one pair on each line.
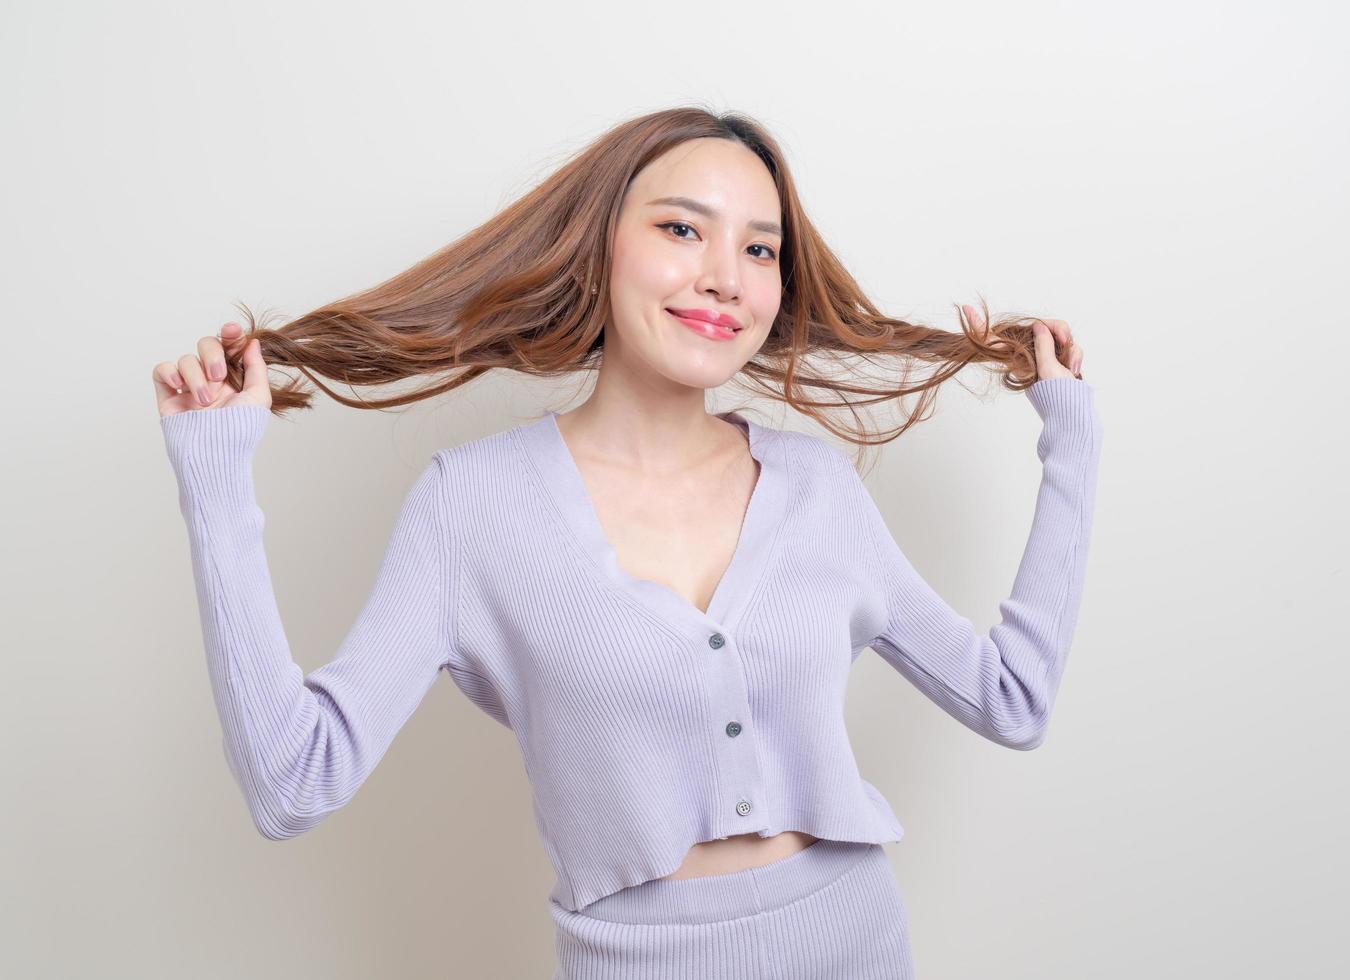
[722,173]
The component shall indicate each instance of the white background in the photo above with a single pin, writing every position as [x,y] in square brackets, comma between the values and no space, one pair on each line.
[1168,177]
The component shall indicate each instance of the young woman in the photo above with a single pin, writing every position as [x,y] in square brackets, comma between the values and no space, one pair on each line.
[663,604]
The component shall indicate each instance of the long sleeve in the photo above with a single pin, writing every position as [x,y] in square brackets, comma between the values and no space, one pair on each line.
[1003,684]
[300,746]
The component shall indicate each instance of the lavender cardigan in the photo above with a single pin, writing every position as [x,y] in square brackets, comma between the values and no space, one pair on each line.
[645,725]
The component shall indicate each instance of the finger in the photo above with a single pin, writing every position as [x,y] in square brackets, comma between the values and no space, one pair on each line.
[1047,366]
[191,370]
[1060,329]
[166,374]
[255,371]
[232,338]
[212,354]
[978,325]
[167,382]
[976,319]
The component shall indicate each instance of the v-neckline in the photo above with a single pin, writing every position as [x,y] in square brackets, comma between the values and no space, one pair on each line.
[562,481]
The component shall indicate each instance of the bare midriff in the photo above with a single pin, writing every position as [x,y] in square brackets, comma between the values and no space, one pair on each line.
[741,851]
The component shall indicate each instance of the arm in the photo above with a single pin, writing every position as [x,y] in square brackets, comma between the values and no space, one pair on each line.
[1003,684]
[300,746]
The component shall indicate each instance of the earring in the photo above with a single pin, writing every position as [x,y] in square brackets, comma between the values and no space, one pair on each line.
[594,289]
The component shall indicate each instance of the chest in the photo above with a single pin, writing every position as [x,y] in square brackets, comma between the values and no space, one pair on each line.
[740,575]
[681,533]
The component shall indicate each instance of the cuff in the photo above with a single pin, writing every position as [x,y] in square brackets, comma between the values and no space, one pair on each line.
[1066,401]
[213,440]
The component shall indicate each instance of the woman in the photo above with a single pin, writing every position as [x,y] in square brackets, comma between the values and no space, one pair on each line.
[662,604]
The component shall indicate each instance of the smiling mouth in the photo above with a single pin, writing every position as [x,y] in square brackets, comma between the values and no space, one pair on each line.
[700,320]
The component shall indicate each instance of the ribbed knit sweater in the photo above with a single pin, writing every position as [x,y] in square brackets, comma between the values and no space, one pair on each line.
[644,724]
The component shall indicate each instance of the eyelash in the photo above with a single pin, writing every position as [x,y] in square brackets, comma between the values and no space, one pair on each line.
[669,224]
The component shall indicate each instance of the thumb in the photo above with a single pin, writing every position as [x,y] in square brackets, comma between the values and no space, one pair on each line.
[1046,364]
[255,371]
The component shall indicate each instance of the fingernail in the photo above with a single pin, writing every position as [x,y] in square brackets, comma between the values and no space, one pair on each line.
[203,396]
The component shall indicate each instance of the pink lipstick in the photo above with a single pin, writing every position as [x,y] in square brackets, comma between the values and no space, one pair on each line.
[704,327]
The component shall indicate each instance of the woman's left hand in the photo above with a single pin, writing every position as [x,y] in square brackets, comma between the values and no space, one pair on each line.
[1046,332]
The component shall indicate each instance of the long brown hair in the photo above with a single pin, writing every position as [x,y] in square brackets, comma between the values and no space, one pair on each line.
[516,293]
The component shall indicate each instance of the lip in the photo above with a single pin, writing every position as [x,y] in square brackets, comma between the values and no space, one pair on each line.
[710,331]
[708,316]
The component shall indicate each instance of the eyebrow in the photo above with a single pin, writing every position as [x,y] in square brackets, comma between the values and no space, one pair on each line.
[770,227]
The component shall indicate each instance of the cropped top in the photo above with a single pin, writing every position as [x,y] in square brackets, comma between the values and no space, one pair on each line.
[644,724]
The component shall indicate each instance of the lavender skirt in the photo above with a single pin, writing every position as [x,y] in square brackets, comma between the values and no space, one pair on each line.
[832,910]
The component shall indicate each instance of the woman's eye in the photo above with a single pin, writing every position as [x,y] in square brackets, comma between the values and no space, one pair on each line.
[675,224]
[680,224]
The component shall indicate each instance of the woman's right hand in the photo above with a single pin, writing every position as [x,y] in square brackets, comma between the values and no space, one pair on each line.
[199,381]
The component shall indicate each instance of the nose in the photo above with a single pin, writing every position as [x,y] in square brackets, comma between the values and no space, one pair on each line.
[721,274]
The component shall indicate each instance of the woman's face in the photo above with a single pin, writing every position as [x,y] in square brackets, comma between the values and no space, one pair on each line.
[716,252]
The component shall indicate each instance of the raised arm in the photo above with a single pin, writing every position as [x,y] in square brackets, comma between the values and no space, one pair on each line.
[1003,684]
[300,746]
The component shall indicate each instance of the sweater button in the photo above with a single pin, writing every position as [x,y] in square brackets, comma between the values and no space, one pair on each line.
[733,728]
[716,641]
[743,807]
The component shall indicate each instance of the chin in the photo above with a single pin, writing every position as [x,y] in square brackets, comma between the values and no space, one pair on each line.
[701,375]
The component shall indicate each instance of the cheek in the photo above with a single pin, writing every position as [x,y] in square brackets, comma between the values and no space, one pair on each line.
[766,300]
[650,272]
